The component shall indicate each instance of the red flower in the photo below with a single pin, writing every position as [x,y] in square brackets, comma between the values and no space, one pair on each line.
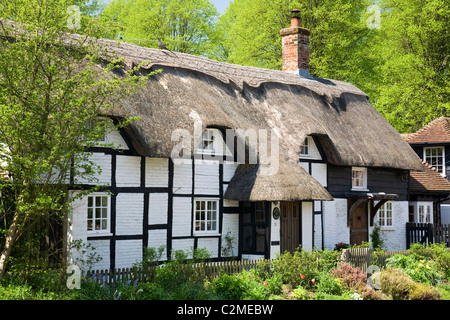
[265,283]
[313,280]
[302,276]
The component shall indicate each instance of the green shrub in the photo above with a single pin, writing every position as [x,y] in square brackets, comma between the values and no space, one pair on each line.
[396,283]
[229,287]
[423,292]
[328,284]
[444,290]
[418,267]
[301,294]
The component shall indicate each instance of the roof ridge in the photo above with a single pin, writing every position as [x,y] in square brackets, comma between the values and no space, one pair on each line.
[444,121]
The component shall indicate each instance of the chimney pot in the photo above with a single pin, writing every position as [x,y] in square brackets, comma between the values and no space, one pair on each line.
[295,20]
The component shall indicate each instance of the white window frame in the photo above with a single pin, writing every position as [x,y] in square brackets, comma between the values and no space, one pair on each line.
[422,216]
[385,214]
[305,150]
[208,222]
[91,124]
[442,156]
[209,135]
[363,186]
[94,218]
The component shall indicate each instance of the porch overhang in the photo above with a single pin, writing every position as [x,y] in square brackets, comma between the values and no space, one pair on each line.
[356,199]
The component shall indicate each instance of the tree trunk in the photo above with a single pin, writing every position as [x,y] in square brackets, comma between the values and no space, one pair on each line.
[9,244]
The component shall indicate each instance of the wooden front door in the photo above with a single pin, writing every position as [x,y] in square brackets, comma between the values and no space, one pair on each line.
[290,226]
[359,230]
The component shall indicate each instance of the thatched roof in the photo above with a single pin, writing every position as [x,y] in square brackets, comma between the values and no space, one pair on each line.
[223,95]
[232,96]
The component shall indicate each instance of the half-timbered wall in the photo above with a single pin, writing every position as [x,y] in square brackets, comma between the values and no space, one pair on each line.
[152,204]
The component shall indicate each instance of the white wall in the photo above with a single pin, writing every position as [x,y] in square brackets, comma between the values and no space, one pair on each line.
[335,222]
[129,213]
[394,237]
[307,226]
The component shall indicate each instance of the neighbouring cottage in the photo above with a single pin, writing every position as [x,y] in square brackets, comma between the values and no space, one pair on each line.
[430,189]
[340,167]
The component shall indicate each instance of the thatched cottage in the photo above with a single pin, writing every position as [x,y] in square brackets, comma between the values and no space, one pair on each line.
[336,167]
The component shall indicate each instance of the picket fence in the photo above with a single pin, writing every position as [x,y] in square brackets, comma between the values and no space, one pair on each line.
[139,274]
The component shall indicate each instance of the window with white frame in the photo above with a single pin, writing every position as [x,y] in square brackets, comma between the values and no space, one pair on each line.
[206,216]
[207,142]
[423,213]
[359,178]
[97,125]
[385,215]
[98,213]
[435,156]
[304,151]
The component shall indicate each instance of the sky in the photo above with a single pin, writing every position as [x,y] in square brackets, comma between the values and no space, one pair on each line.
[221,5]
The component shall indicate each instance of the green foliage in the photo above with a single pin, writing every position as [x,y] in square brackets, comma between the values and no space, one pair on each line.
[50,91]
[413,47]
[186,26]
[328,284]
[242,286]
[398,284]
[420,270]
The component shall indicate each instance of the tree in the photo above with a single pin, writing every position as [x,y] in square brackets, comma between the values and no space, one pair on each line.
[413,46]
[186,26]
[51,87]
[252,34]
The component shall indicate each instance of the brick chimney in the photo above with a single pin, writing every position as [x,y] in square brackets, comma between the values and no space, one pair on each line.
[296,47]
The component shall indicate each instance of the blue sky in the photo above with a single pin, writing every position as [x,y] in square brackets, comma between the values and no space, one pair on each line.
[221,5]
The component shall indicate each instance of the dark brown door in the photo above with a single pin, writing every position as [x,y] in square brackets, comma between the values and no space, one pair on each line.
[290,226]
[358,228]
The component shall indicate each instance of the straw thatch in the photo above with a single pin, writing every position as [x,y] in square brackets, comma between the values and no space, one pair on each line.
[191,88]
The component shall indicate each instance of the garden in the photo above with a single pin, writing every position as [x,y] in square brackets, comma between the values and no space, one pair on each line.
[421,274]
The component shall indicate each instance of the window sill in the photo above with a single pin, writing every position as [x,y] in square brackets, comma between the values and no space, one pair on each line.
[360,189]
[99,234]
[390,228]
[212,234]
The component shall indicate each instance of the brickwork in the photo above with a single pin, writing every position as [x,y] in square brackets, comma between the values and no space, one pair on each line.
[295,49]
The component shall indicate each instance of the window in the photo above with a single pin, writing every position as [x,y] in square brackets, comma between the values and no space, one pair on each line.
[359,178]
[385,215]
[206,216]
[304,151]
[424,213]
[207,142]
[254,228]
[435,157]
[98,213]
[97,125]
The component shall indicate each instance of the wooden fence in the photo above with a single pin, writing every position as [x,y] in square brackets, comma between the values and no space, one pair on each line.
[210,270]
[426,233]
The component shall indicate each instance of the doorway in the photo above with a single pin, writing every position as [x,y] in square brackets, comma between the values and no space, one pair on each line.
[290,226]
[359,230]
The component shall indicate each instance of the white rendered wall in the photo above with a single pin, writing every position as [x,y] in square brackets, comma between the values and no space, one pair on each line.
[307,226]
[335,222]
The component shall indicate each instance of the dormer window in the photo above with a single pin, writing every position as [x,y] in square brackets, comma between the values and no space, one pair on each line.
[95,124]
[305,149]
